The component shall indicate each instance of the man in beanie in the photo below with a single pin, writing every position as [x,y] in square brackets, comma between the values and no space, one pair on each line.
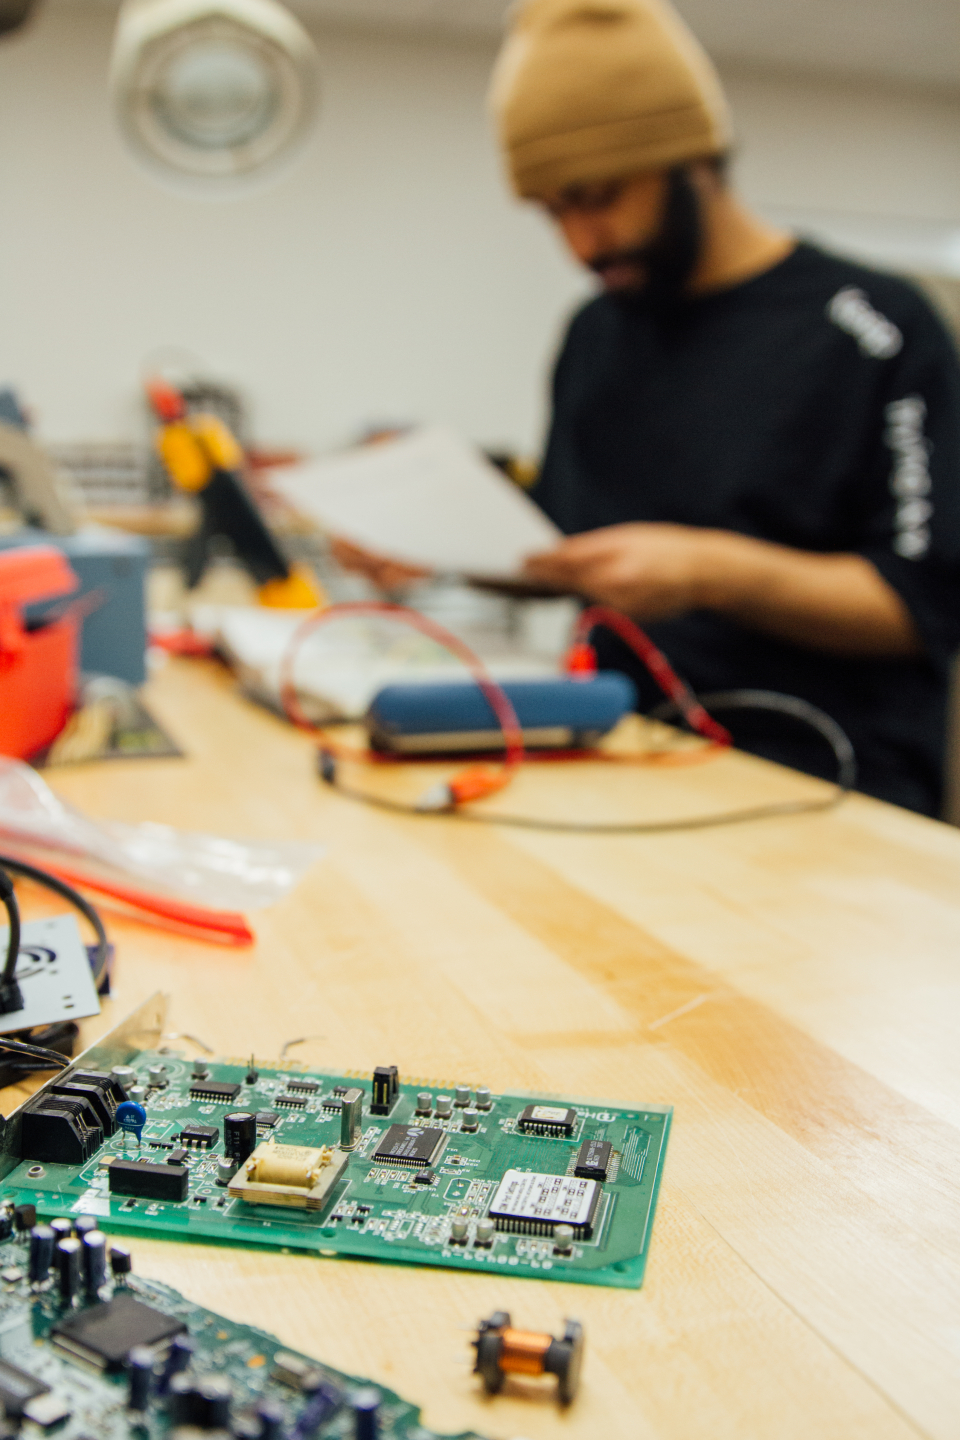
[755,446]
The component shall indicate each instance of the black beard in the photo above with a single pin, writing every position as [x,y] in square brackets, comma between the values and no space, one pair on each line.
[671,257]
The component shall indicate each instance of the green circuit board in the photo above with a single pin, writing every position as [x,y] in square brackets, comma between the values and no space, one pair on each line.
[543,1187]
[72,1391]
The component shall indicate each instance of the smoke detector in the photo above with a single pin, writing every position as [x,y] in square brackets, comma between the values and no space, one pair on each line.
[212,93]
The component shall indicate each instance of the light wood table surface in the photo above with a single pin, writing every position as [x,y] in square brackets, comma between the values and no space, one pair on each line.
[791,986]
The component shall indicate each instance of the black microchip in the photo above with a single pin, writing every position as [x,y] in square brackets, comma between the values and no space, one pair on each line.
[306,1087]
[424,1177]
[214,1090]
[17,1387]
[149,1180]
[409,1145]
[176,1157]
[291,1102]
[547,1120]
[105,1334]
[203,1136]
[332,1105]
[593,1159]
[266,1119]
[25,1216]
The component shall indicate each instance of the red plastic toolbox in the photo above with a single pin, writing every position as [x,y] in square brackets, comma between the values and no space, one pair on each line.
[38,659]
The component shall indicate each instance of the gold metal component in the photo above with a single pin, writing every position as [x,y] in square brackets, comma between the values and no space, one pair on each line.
[297,1175]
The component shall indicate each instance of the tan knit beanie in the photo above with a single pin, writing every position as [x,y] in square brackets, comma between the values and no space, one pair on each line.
[588,90]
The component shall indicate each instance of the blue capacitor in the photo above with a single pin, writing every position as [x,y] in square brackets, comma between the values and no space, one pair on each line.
[131,1118]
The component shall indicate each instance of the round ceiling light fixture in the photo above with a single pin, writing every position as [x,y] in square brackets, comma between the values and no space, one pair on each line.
[213,93]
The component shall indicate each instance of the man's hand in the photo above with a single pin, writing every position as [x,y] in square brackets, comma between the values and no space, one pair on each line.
[386,574]
[649,571]
[835,603]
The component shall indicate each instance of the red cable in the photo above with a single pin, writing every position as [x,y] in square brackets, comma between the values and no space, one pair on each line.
[470,784]
[658,665]
[477,782]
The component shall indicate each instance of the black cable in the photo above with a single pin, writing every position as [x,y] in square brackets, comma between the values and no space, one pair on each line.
[98,960]
[769,700]
[11,996]
[38,1053]
[32,1058]
[8,896]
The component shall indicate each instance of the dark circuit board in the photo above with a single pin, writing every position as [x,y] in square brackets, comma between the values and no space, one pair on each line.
[451,1175]
[65,1368]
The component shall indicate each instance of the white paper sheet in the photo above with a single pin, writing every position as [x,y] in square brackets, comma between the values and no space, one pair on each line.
[427,498]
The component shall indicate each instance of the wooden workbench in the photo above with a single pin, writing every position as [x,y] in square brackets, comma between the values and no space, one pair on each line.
[791,986]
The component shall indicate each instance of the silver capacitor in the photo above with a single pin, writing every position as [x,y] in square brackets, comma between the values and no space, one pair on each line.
[137,1093]
[484,1098]
[125,1074]
[485,1231]
[563,1239]
[226,1169]
[458,1228]
[157,1075]
[424,1102]
[461,1096]
[469,1120]
[443,1106]
[351,1114]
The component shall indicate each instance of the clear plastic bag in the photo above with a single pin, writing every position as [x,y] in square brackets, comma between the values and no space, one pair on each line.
[206,869]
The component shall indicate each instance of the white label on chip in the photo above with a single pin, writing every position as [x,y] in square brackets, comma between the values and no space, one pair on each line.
[549,1114]
[553,1199]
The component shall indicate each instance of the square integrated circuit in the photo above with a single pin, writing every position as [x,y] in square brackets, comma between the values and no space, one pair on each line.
[410,1145]
[530,1204]
[547,1120]
[104,1335]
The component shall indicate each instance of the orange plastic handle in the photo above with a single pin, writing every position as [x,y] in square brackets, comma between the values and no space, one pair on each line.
[197,917]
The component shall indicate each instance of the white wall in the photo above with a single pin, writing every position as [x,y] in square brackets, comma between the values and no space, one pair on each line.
[871,166]
[386,276]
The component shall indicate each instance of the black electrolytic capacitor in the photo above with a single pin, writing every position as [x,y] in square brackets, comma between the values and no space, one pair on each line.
[68,1268]
[216,1395]
[271,1417]
[140,1361]
[6,1222]
[84,1224]
[239,1135]
[365,1404]
[185,1403]
[94,1244]
[62,1227]
[178,1358]
[42,1241]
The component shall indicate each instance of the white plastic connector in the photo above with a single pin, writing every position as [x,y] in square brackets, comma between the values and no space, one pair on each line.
[438,798]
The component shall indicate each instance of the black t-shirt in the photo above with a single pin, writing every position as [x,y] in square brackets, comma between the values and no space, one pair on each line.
[817,405]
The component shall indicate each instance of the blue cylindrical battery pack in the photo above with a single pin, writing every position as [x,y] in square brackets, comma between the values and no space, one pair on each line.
[556,712]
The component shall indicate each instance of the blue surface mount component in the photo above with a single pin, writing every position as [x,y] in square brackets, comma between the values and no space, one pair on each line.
[555,712]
